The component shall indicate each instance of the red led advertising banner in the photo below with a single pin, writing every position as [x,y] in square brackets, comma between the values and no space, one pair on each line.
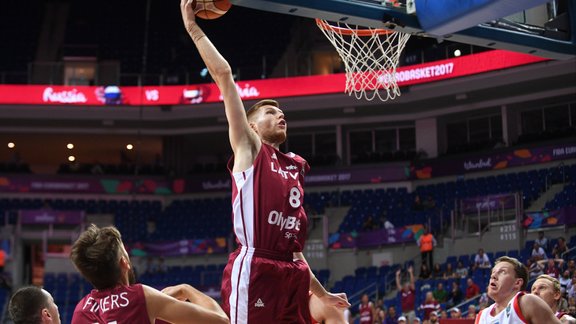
[256,89]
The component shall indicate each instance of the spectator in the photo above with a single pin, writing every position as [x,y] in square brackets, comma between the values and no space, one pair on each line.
[427,242]
[402,320]
[392,317]
[429,305]
[542,241]
[425,272]
[565,282]
[455,313]
[472,289]
[551,268]
[572,288]
[455,297]
[559,248]
[443,314]
[381,316]
[379,305]
[440,294]
[449,273]
[366,310]
[417,205]
[433,318]
[407,293]
[534,268]
[416,320]
[437,272]
[471,312]
[571,266]
[538,252]
[461,270]
[368,224]
[481,260]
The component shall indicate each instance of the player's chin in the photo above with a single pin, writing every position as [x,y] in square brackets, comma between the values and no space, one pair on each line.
[279,137]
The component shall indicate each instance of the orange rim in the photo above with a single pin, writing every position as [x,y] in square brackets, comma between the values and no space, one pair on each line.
[349,31]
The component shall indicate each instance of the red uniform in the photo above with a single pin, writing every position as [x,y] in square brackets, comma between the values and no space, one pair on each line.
[261,282]
[366,314]
[123,304]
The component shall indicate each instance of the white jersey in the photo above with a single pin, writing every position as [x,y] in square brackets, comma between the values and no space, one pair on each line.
[510,315]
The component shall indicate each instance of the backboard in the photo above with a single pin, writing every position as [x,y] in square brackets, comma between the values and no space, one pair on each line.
[538,27]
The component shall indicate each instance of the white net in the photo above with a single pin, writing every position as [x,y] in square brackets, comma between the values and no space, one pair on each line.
[370,57]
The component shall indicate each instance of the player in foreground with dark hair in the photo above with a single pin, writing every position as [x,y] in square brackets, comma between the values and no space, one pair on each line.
[33,305]
[100,256]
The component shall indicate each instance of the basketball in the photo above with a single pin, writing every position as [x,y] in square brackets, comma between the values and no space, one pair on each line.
[211,9]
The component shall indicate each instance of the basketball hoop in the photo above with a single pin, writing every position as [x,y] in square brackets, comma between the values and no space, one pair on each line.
[370,56]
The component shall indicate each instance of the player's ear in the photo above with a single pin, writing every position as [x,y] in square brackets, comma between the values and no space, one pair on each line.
[46,315]
[519,282]
[124,263]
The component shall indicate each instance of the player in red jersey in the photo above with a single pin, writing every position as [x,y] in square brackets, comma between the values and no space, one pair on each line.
[100,256]
[267,279]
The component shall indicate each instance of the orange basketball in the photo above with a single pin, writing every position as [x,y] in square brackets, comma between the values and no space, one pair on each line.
[211,9]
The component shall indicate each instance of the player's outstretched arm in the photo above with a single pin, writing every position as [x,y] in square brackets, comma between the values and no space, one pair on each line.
[337,300]
[323,313]
[186,292]
[244,141]
[200,309]
[535,310]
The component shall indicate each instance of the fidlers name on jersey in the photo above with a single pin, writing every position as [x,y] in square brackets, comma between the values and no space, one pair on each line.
[284,173]
[108,303]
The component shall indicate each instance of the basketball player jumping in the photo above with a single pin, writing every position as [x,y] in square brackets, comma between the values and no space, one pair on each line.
[548,288]
[511,305]
[267,279]
[100,257]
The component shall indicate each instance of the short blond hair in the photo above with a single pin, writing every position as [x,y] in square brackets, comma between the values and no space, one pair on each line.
[553,280]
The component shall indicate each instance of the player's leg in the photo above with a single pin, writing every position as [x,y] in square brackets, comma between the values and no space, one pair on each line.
[278,292]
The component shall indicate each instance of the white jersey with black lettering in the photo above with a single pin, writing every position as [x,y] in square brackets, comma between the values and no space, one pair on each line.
[512,314]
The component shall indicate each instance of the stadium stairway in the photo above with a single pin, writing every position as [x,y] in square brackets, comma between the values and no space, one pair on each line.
[540,203]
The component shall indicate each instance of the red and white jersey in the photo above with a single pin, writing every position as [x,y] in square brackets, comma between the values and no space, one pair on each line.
[123,304]
[512,314]
[267,202]
[366,313]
